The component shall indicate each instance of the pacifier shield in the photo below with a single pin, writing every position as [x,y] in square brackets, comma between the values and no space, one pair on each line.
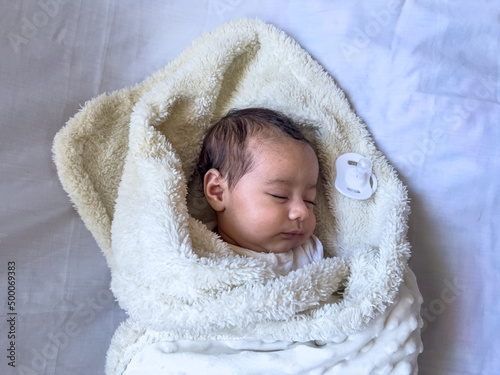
[354,176]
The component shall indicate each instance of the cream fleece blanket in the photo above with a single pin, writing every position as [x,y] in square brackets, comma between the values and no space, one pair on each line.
[127,161]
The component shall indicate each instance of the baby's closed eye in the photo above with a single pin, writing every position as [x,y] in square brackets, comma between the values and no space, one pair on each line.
[279,197]
[284,198]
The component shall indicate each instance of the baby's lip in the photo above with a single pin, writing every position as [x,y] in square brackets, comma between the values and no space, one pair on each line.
[293,233]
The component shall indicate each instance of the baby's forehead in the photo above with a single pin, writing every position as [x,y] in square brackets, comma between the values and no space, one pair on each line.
[272,140]
[279,146]
[275,153]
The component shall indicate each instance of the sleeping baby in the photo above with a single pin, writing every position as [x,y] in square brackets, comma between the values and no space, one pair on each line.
[259,175]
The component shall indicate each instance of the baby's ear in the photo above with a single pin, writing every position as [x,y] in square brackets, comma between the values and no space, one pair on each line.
[215,187]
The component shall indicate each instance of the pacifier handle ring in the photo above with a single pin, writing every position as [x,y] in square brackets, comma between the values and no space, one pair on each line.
[363,167]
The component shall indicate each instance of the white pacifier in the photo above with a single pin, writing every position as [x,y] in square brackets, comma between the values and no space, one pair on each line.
[354,176]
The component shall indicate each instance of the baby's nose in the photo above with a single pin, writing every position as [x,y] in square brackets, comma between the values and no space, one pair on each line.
[298,210]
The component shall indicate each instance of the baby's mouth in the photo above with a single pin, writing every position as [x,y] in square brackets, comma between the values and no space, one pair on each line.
[293,234]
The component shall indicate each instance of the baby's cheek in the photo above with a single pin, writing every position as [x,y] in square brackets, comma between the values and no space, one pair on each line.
[313,222]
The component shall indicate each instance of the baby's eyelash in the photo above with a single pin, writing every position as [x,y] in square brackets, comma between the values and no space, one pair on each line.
[281,197]
[278,196]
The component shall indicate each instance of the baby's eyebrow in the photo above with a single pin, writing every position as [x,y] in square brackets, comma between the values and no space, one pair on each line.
[280,181]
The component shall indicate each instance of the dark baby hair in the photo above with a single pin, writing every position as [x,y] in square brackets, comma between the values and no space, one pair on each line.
[225,146]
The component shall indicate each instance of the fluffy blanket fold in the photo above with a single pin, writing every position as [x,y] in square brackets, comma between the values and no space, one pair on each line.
[127,161]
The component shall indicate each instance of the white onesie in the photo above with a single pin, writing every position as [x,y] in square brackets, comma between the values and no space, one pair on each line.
[282,263]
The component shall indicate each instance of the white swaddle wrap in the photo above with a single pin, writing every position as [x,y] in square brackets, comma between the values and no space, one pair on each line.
[127,160]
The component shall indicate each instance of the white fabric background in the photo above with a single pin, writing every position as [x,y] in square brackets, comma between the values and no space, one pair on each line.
[423,75]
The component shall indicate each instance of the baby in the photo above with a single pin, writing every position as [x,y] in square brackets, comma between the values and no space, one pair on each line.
[260,174]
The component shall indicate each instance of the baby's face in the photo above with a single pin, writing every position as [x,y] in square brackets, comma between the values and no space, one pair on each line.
[270,209]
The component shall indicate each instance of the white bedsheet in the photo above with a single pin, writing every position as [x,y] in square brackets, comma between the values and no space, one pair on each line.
[423,75]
